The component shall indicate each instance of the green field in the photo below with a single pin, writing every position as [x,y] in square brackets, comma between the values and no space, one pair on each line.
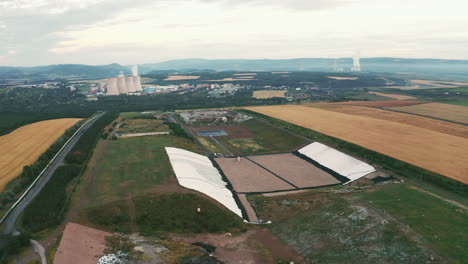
[438,222]
[394,223]
[155,213]
[268,138]
[142,126]
[132,166]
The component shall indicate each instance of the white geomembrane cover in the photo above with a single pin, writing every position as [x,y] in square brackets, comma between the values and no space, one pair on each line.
[337,161]
[196,172]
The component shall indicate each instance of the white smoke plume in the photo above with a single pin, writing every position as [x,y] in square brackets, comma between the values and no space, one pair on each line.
[135,70]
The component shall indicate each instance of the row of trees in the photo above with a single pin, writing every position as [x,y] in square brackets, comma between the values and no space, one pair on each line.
[50,206]
[30,172]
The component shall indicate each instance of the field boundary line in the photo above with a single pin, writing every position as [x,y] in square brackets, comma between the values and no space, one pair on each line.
[45,168]
[457,204]
[290,183]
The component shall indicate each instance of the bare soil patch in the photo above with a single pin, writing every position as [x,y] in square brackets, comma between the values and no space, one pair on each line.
[295,170]
[181,77]
[246,176]
[233,131]
[395,96]
[24,145]
[230,80]
[428,149]
[342,78]
[81,244]
[265,94]
[244,74]
[251,247]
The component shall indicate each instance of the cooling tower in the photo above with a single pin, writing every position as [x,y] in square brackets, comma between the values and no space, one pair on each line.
[129,83]
[122,85]
[137,83]
[112,86]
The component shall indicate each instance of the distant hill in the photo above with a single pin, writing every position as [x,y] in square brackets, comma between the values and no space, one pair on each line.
[453,68]
[61,71]
[447,68]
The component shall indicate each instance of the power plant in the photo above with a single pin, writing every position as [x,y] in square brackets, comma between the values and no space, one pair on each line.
[125,84]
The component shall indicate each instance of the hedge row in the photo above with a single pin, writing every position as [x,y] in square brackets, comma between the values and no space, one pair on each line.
[49,207]
[20,183]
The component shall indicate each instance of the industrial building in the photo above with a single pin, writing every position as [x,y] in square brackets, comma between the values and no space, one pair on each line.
[125,84]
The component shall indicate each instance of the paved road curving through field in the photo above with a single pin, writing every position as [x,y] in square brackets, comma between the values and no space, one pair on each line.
[10,220]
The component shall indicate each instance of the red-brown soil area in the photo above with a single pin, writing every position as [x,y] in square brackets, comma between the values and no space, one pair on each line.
[248,177]
[80,244]
[233,131]
[252,247]
[295,170]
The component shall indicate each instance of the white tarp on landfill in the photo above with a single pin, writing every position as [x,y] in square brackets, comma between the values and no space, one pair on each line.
[196,172]
[337,161]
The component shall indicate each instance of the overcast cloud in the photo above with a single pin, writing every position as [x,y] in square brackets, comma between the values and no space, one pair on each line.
[40,32]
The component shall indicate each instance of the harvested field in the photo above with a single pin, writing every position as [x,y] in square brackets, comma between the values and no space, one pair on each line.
[443,111]
[181,77]
[246,176]
[80,244]
[266,94]
[428,149]
[423,122]
[233,131]
[380,103]
[395,96]
[342,78]
[24,145]
[295,170]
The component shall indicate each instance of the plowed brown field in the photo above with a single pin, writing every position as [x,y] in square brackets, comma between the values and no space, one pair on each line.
[455,113]
[423,122]
[426,148]
[24,145]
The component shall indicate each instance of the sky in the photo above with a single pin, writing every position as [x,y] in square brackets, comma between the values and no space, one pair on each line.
[43,32]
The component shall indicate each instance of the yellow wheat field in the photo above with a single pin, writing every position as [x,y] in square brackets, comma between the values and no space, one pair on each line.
[455,113]
[265,94]
[429,149]
[24,145]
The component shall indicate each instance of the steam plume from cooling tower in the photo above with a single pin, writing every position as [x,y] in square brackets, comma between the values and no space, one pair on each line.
[356,62]
[135,70]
